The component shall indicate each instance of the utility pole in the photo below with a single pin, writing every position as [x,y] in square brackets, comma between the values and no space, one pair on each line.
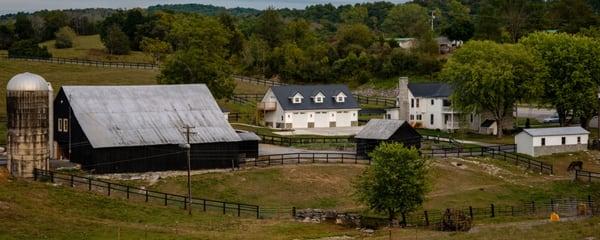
[187,148]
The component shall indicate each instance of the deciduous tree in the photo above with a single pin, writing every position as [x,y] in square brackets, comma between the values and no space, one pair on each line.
[64,37]
[395,182]
[155,47]
[574,73]
[115,41]
[491,77]
[406,20]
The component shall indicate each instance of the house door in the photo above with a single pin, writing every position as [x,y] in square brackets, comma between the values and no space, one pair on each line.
[300,120]
[321,120]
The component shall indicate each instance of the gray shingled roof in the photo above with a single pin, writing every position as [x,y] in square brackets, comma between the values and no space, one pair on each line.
[380,129]
[430,89]
[284,94]
[117,116]
[557,131]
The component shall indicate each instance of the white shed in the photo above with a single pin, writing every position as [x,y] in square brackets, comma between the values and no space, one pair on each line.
[545,141]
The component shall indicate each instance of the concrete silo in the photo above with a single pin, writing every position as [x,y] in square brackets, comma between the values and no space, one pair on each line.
[28,124]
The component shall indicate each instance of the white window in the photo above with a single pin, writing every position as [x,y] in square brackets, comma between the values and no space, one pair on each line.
[63,125]
[297,100]
[319,97]
[340,98]
[419,117]
[412,117]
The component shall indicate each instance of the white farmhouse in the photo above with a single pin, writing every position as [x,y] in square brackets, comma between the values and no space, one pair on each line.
[545,141]
[309,106]
[428,105]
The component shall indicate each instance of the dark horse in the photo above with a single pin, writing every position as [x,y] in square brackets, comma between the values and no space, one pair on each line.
[575,165]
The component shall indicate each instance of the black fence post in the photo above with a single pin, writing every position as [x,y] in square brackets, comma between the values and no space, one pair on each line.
[257,212]
[512,211]
[589,199]
[238,209]
[493,210]
[35,174]
[108,188]
[224,208]
[89,184]
[52,177]
[426,218]
[293,212]
[166,199]
[533,207]
[552,204]
[127,190]
[185,203]
[146,195]
[471,212]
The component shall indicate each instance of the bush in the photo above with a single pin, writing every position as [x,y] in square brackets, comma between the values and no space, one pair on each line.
[64,37]
[28,48]
[456,220]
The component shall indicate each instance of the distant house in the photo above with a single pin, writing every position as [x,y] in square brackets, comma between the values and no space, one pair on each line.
[377,131]
[406,43]
[139,128]
[428,105]
[545,141]
[445,45]
[309,106]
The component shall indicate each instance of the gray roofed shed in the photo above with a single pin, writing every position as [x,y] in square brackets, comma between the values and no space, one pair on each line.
[557,131]
[286,92]
[117,116]
[380,129]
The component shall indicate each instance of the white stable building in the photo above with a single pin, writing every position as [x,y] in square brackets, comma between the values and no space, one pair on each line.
[545,141]
[309,106]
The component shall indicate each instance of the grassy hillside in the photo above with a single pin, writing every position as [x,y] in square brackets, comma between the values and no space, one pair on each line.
[90,47]
[477,182]
[34,210]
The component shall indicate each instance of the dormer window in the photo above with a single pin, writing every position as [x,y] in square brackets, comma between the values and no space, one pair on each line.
[297,98]
[319,98]
[340,98]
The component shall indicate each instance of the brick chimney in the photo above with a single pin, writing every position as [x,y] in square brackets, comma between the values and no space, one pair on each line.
[402,101]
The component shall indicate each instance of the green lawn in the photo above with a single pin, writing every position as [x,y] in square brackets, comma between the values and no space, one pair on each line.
[66,74]
[91,48]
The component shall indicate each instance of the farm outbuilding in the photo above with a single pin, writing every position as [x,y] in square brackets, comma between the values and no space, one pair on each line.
[377,131]
[545,141]
[249,144]
[139,128]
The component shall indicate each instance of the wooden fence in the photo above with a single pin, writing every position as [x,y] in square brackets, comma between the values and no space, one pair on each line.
[289,141]
[306,158]
[85,62]
[563,207]
[586,176]
[135,193]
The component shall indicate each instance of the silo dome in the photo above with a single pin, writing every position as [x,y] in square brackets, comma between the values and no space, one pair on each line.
[27,82]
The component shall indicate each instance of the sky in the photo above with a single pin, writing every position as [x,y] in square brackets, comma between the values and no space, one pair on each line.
[13,6]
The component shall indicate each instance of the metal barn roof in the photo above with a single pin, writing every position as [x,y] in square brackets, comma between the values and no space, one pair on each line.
[557,131]
[379,129]
[430,89]
[286,92]
[118,116]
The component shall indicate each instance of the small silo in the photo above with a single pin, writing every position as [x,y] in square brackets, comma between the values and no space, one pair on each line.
[28,126]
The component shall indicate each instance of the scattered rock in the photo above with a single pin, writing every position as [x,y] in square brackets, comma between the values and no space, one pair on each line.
[368,231]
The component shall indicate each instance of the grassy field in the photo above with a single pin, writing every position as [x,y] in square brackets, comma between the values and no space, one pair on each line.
[91,48]
[65,74]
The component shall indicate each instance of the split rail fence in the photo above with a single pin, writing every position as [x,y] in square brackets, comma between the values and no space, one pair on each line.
[85,62]
[140,194]
[587,176]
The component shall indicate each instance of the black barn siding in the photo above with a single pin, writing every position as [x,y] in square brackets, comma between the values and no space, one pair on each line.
[406,135]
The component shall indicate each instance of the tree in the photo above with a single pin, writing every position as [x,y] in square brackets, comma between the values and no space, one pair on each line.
[395,182]
[155,47]
[23,27]
[196,65]
[6,36]
[28,48]
[407,20]
[53,21]
[269,27]
[64,37]
[491,77]
[116,41]
[459,25]
[356,14]
[572,15]
[353,38]
[574,73]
